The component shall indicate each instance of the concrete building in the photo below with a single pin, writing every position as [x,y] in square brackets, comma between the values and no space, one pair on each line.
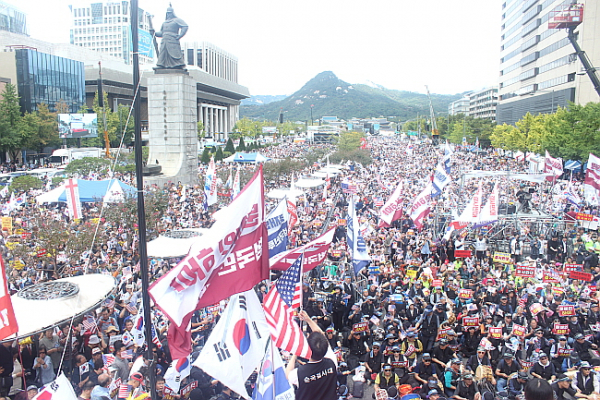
[460,106]
[104,26]
[12,19]
[539,70]
[482,103]
[211,59]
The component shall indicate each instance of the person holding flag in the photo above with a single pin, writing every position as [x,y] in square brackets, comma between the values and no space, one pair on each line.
[317,379]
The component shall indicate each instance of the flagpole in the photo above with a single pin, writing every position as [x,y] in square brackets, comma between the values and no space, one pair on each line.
[140,198]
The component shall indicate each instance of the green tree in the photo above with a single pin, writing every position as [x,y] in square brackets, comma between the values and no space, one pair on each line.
[87,165]
[125,213]
[350,141]
[25,182]
[11,121]
[219,154]
[205,158]
[575,132]
[200,128]
[241,145]
[229,147]
[458,131]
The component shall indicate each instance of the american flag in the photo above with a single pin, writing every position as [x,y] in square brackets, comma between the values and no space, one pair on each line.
[155,338]
[89,324]
[108,359]
[279,311]
[124,391]
[523,300]
[348,187]
[379,202]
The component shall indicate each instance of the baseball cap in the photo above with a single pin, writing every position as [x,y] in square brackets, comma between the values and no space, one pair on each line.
[32,387]
[523,375]
[562,378]
[96,350]
[508,355]
[432,392]
[432,383]
[579,336]
[443,342]
[137,377]
[585,364]
[456,361]
[387,367]
[426,356]
[468,376]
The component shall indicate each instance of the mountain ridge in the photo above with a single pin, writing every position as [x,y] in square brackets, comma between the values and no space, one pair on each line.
[326,94]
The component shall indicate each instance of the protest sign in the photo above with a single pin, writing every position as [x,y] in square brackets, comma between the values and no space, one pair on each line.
[503,258]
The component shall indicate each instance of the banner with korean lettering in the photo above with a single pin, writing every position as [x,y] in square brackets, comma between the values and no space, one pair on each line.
[525,271]
[566,310]
[573,267]
[360,327]
[519,330]
[561,329]
[470,321]
[503,258]
[225,261]
[314,253]
[277,226]
[496,332]
[582,276]
[465,294]
[59,389]
[8,322]
[392,209]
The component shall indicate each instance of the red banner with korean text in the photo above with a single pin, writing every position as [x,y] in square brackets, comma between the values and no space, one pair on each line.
[8,322]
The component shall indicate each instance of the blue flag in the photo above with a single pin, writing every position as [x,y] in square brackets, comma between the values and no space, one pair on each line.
[277,227]
[356,243]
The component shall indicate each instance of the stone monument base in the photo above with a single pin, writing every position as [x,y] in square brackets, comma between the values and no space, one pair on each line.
[172,126]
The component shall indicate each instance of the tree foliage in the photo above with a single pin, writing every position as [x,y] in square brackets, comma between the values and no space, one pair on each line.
[87,165]
[205,158]
[229,147]
[125,213]
[241,145]
[274,170]
[350,141]
[25,182]
[11,121]
[569,133]
[219,154]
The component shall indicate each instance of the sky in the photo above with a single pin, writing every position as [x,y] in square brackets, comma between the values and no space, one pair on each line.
[452,46]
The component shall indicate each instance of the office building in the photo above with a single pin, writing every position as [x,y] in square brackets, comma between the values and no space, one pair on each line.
[12,19]
[539,70]
[460,106]
[104,26]
[211,59]
[44,78]
[482,103]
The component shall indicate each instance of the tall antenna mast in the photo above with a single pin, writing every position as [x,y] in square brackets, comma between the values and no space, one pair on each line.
[435,134]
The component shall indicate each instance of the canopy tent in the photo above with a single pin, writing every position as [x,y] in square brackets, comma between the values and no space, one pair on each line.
[572,164]
[281,193]
[108,191]
[51,196]
[507,174]
[175,243]
[246,158]
[309,183]
[49,304]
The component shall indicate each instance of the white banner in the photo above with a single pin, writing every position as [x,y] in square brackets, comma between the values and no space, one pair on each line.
[224,261]
[210,183]
[59,389]
[392,209]
[421,207]
[73,201]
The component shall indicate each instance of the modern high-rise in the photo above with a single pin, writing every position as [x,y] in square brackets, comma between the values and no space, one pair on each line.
[478,104]
[460,106]
[104,26]
[539,69]
[12,19]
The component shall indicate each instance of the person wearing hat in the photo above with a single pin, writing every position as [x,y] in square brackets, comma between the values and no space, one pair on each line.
[386,378]
[432,383]
[558,352]
[399,364]
[582,347]
[136,381]
[538,343]
[32,391]
[428,325]
[516,385]
[586,380]
[466,389]
[543,369]
[442,354]
[470,341]
[357,346]
[425,369]
[368,307]
[451,377]
[375,360]
[562,387]
[433,394]
[338,308]
[411,347]
[479,358]
[505,368]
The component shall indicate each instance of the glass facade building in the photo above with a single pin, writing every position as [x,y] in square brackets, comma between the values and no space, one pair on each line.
[44,78]
[12,20]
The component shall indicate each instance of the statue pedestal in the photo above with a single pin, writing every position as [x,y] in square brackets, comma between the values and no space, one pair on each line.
[172,125]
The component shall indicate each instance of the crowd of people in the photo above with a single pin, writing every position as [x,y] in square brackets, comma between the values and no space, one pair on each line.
[424,317]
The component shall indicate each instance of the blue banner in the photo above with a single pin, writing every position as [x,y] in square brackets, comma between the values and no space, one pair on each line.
[356,243]
[145,43]
[277,227]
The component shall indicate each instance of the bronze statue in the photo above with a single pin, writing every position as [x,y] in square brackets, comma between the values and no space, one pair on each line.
[170,55]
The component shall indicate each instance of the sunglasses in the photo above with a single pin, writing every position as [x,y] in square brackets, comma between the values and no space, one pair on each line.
[395,351]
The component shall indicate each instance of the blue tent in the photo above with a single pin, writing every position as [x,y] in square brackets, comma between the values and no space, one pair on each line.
[572,164]
[246,158]
[109,190]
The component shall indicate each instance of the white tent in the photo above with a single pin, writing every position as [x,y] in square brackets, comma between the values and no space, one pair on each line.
[281,193]
[309,183]
[51,196]
[175,243]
